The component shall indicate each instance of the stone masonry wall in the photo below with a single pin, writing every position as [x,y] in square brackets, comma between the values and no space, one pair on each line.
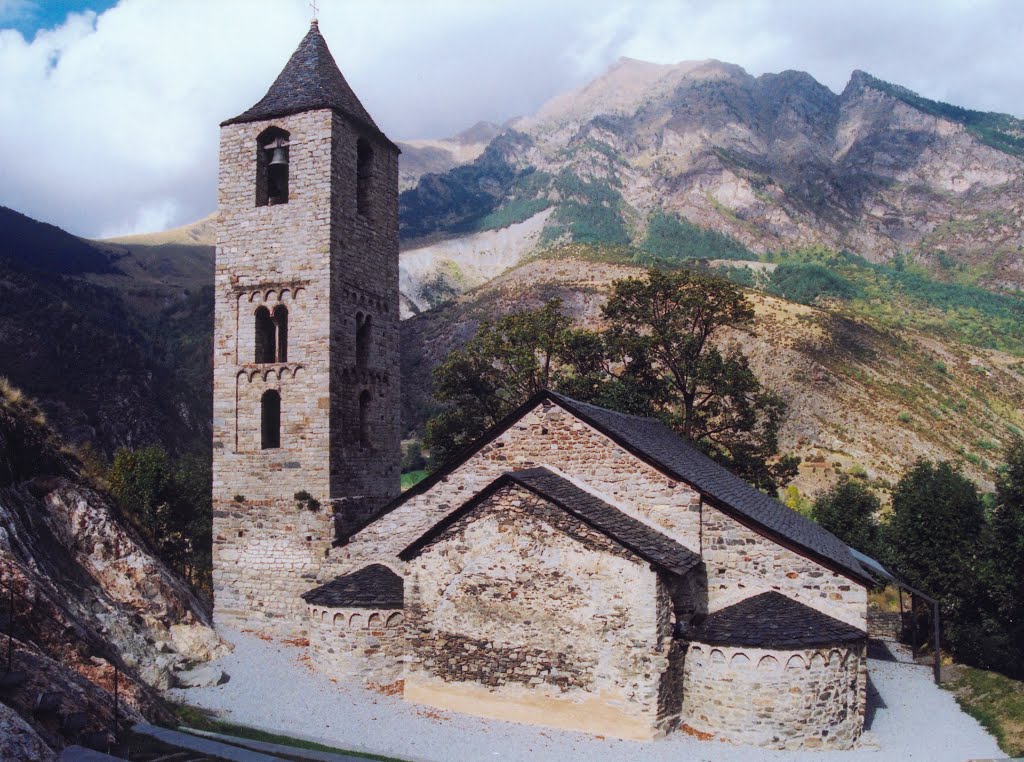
[325,262]
[547,436]
[523,612]
[367,644]
[265,551]
[741,563]
[364,281]
[803,699]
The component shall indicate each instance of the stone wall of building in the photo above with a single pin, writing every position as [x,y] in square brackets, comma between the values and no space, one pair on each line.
[265,549]
[779,699]
[547,436]
[741,563]
[522,612]
[367,644]
[365,471]
[329,265]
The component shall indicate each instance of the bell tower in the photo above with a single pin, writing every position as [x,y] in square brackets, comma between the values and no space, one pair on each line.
[306,398]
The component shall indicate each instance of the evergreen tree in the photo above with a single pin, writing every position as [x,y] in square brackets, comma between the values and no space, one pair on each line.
[848,511]
[1006,560]
[934,543]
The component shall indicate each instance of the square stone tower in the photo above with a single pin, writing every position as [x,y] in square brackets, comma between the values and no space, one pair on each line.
[306,397]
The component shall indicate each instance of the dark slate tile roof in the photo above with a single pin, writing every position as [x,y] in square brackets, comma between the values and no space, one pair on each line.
[644,541]
[372,587]
[310,80]
[771,620]
[654,442]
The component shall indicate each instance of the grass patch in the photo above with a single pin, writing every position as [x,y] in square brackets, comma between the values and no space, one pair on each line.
[412,478]
[887,599]
[996,701]
[195,718]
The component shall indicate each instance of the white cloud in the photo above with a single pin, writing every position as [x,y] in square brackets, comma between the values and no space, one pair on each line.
[110,122]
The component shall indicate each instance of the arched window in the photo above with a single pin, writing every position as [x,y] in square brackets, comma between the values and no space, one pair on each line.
[272,167]
[264,335]
[281,322]
[364,418]
[364,324]
[270,420]
[364,175]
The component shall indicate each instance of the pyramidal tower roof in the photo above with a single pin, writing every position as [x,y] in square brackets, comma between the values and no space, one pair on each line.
[310,80]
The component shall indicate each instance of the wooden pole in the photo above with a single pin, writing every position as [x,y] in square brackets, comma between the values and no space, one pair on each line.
[117,729]
[936,663]
[913,625]
[10,633]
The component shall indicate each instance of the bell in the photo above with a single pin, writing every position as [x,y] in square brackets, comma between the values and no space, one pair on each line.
[279,158]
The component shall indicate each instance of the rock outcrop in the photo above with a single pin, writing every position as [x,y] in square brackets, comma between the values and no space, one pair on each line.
[88,594]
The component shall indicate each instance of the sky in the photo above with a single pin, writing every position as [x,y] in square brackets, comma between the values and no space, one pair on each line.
[109,110]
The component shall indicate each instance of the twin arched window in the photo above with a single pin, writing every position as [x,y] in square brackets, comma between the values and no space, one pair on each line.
[272,334]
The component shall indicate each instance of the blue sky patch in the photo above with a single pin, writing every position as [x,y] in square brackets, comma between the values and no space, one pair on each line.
[29,16]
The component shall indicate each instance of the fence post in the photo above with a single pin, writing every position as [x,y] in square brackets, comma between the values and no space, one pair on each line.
[913,625]
[117,733]
[10,633]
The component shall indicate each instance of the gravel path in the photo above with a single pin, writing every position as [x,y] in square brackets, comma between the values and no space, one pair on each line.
[271,688]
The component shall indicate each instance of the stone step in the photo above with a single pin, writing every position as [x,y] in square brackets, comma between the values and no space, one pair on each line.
[205,746]
[75,753]
[295,752]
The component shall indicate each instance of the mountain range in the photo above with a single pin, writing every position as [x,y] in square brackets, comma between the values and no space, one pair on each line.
[914,206]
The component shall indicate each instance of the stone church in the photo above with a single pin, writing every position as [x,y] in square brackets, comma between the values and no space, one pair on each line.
[575,567]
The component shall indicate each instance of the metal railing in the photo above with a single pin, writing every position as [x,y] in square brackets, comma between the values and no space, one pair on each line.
[13,596]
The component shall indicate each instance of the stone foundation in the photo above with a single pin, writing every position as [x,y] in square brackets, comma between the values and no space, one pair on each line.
[366,644]
[778,699]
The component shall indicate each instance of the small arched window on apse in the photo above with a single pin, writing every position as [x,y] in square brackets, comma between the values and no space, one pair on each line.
[265,339]
[270,420]
[364,324]
[364,418]
[364,175]
[272,157]
[281,323]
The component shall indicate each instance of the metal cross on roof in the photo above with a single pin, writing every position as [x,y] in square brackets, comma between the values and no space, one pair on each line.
[315,7]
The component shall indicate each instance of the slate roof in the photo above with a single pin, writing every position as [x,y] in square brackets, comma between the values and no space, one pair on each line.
[644,541]
[656,443]
[310,80]
[372,587]
[771,620]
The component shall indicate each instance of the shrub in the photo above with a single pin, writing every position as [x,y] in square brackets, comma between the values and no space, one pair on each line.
[806,282]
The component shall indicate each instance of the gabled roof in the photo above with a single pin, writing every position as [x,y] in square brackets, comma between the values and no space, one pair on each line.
[657,445]
[372,587]
[635,536]
[771,620]
[311,80]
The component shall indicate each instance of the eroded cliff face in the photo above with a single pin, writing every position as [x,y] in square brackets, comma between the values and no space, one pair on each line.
[89,594]
[776,161]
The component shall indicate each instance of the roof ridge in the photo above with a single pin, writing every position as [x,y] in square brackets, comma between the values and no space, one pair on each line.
[638,538]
